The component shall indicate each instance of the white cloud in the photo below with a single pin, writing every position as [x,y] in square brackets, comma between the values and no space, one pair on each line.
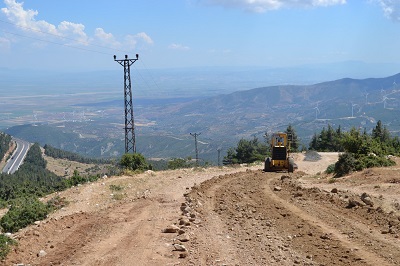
[143,36]
[391,8]
[131,41]
[175,46]
[106,38]
[69,29]
[25,19]
[261,6]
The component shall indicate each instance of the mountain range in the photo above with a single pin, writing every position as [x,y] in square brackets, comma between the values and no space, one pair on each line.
[163,127]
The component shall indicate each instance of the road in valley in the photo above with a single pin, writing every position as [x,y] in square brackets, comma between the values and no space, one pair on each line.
[17,157]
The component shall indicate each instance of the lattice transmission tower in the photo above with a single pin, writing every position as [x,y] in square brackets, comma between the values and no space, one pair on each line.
[130,143]
[195,135]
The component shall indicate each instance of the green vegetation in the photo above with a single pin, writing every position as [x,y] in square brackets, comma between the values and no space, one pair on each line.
[5,141]
[361,150]
[21,190]
[247,151]
[134,162]
[71,156]
[177,163]
[32,178]
[327,140]
[293,138]
[117,192]
[76,179]
[23,211]
[250,151]
[5,245]
[116,187]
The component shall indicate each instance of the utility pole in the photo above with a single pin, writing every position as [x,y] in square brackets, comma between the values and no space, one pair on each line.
[219,156]
[195,145]
[130,144]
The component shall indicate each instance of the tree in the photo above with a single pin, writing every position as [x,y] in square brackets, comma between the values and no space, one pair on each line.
[247,151]
[134,162]
[294,143]
[380,132]
[177,163]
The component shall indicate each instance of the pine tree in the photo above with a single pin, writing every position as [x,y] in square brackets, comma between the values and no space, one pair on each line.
[294,143]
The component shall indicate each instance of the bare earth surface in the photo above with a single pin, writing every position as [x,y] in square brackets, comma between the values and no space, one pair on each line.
[223,216]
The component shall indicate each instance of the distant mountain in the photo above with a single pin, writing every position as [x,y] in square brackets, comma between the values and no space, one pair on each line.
[349,102]
[163,127]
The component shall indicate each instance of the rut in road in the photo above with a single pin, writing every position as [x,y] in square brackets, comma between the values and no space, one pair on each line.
[245,222]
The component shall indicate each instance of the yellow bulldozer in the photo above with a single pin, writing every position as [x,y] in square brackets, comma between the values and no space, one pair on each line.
[279,160]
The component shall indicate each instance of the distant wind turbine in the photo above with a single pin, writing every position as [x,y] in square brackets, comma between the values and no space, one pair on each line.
[35,117]
[384,101]
[352,108]
[383,91]
[366,98]
[316,112]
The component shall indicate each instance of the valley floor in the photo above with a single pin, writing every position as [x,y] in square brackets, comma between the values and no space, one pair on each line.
[223,216]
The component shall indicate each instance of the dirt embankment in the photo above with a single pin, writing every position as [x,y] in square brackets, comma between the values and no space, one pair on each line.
[223,216]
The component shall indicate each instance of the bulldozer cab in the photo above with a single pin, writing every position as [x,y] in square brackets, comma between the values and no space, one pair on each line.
[280,148]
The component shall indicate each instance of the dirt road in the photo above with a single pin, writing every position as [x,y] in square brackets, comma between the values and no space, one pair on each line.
[223,216]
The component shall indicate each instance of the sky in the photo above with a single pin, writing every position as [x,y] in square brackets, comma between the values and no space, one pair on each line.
[73,35]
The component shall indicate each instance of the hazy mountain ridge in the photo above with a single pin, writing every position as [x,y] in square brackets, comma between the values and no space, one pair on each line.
[163,127]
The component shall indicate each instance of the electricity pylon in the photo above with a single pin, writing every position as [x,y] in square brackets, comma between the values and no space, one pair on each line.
[195,145]
[130,144]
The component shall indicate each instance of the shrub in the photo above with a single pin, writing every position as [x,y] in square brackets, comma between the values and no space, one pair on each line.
[134,162]
[56,203]
[116,187]
[346,164]
[177,163]
[330,169]
[23,212]
[5,244]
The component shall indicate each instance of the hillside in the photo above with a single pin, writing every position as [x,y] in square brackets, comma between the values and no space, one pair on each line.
[230,216]
[163,127]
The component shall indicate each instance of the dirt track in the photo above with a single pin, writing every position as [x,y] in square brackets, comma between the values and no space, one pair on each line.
[236,216]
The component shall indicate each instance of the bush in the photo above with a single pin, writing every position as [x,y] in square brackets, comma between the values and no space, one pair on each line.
[134,162]
[177,163]
[5,243]
[330,169]
[23,212]
[56,203]
[346,164]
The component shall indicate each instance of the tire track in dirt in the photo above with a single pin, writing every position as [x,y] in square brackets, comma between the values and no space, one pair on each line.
[215,231]
[362,226]
[330,226]
[110,237]
[264,229]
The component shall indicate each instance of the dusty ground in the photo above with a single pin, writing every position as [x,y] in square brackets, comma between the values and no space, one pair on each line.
[225,216]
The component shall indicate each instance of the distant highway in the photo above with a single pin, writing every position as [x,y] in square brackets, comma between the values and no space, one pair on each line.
[17,157]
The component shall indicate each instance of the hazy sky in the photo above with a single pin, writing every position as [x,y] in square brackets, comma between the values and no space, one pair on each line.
[40,34]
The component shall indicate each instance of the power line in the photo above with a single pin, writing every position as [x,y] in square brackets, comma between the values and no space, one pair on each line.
[57,43]
[151,76]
